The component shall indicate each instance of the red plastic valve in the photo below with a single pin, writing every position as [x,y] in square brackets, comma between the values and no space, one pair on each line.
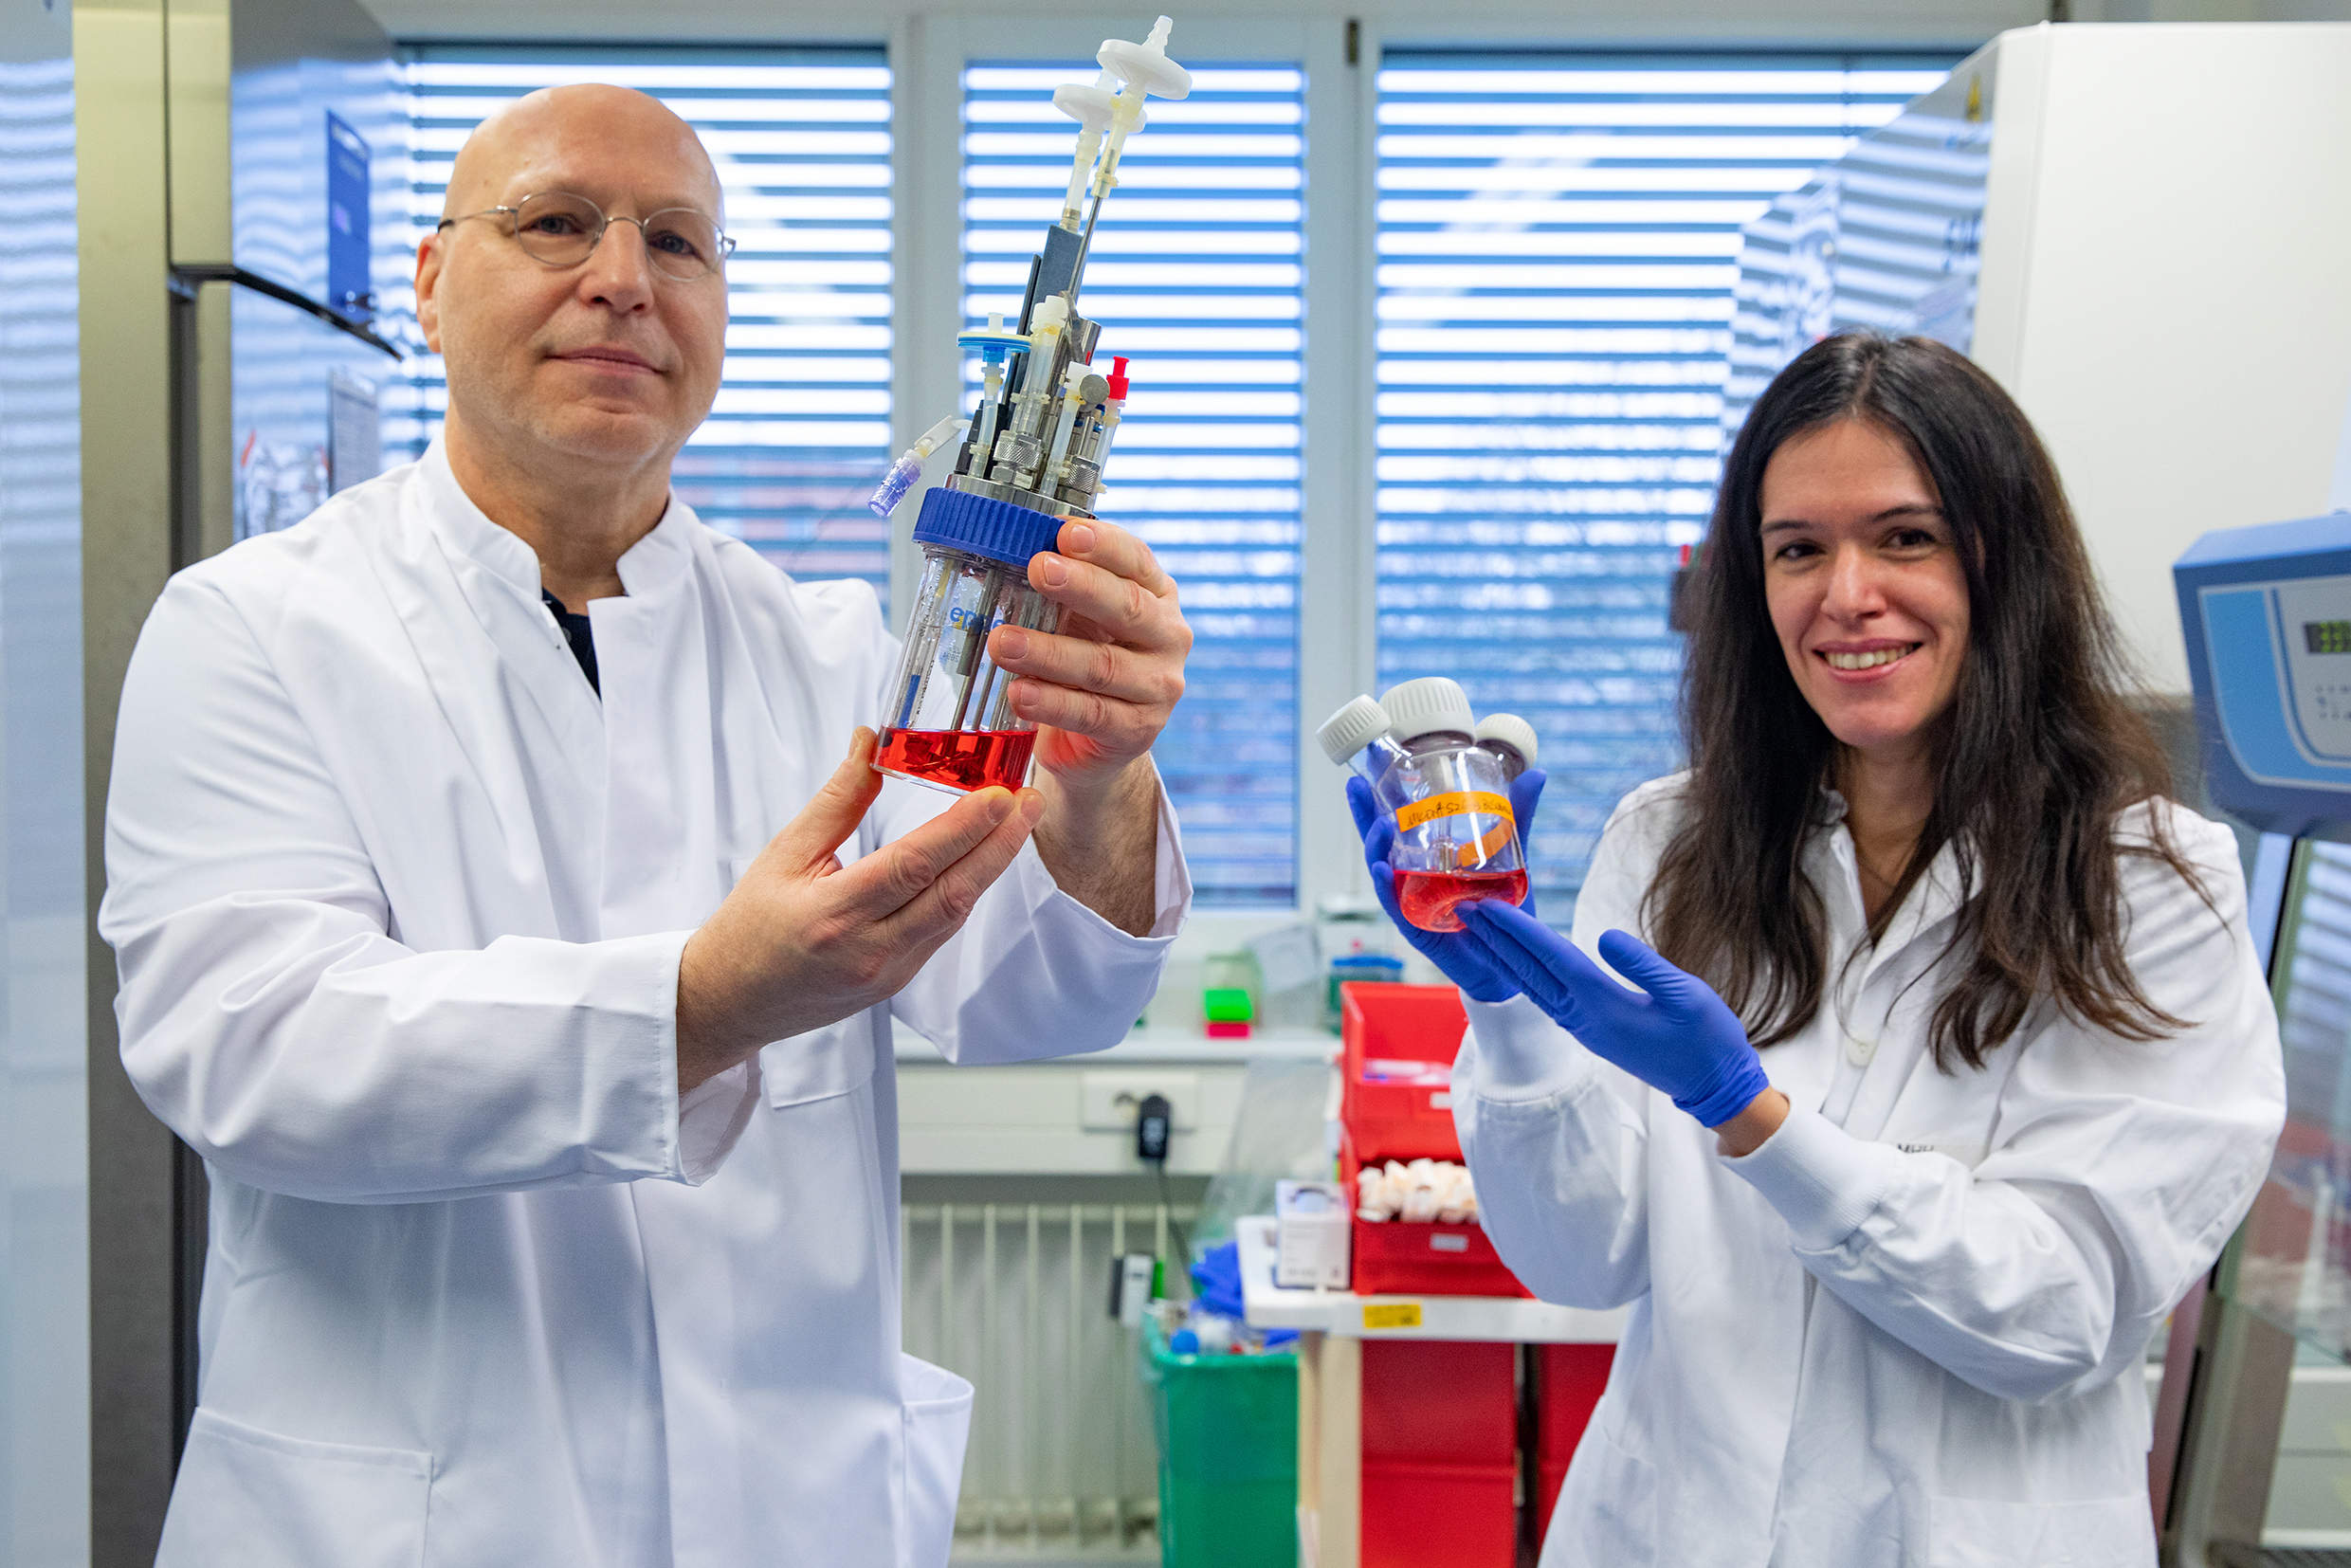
[1118,378]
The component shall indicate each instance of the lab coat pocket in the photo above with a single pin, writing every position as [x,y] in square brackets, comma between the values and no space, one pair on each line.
[2116,1532]
[939,1423]
[262,1500]
[819,1064]
[1618,1498]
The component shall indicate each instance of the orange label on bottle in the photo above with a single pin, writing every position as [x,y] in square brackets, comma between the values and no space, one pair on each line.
[1456,803]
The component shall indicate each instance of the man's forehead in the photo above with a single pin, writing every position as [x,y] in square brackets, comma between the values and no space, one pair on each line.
[613,185]
[619,147]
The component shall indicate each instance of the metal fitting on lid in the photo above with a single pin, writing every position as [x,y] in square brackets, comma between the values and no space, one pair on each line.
[1511,730]
[1351,728]
[1428,706]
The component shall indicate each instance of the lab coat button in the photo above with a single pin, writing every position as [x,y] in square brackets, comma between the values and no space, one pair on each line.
[1858,1050]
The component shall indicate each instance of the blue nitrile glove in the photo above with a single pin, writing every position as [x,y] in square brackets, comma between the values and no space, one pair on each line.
[1459,956]
[1217,1279]
[1674,1033]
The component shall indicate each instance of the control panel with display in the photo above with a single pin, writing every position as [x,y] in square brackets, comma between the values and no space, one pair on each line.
[2326,636]
[2267,615]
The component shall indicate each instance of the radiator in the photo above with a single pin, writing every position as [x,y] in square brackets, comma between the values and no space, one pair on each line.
[1015,1297]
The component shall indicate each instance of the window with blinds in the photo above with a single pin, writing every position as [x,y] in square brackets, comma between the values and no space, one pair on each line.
[802,143]
[1197,275]
[1558,248]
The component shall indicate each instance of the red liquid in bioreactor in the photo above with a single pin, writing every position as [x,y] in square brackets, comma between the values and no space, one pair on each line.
[960,760]
[1427,898]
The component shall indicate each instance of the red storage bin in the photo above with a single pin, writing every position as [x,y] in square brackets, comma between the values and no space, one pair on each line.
[1445,1401]
[1440,1447]
[1438,1516]
[1412,1258]
[1403,1024]
[1569,1380]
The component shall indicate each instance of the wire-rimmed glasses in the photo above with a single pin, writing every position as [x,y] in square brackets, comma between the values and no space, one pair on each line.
[562,230]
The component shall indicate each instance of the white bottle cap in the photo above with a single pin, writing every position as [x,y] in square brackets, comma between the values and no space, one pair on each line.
[1512,731]
[1424,706]
[1351,728]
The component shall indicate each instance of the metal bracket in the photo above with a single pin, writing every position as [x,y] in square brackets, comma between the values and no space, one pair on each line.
[189,276]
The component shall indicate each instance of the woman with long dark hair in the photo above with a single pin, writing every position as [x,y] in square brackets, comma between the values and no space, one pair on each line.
[1950,1067]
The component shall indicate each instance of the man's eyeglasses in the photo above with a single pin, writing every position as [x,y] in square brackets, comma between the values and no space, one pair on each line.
[562,230]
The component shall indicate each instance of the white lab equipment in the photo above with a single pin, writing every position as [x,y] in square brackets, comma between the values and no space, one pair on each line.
[1310,1235]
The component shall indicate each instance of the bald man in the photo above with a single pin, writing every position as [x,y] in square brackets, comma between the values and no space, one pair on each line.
[508,912]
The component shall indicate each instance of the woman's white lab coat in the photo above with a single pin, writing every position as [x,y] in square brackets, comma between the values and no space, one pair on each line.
[399,904]
[1910,1329]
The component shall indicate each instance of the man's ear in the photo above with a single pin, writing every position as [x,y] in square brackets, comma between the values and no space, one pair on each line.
[429,258]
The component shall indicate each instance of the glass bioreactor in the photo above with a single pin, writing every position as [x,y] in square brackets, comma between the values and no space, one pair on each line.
[1030,459]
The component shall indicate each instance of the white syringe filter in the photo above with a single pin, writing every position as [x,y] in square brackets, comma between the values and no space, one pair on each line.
[1090,107]
[1351,728]
[1428,706]
[1509,730]
[1145,66]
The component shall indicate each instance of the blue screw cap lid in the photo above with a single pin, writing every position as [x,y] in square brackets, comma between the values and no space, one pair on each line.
[977,525]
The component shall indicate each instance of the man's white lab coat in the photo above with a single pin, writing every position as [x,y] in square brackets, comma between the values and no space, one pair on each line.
[1910,1330]
[399,904]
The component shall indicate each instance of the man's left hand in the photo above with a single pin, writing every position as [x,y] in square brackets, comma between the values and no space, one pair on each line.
[1101,689]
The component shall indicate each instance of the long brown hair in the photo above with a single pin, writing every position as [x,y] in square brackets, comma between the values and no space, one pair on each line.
[2036,755]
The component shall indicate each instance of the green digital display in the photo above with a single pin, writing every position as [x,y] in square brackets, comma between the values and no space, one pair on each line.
[2326,636]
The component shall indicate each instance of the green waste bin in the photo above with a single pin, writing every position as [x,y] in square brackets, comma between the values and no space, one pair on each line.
[1228,1429]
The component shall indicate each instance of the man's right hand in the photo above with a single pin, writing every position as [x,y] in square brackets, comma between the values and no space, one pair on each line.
[802,942]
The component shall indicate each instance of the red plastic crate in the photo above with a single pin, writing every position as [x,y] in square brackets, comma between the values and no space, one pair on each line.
[1399,1023]
[1440,1445]
[1411,1258]
[1569,1380]
[1438,1516]
[1442,1401]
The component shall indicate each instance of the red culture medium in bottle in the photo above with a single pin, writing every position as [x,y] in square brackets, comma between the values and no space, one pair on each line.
[1427,898]
[965,760]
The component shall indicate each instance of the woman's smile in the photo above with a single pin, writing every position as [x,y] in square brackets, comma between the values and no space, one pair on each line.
[1869,663]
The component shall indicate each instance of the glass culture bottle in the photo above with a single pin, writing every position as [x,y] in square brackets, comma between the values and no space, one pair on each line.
[1457,839]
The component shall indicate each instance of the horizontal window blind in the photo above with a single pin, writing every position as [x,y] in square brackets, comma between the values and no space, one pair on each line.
[801,139]
[1197,275]
[1557,241]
